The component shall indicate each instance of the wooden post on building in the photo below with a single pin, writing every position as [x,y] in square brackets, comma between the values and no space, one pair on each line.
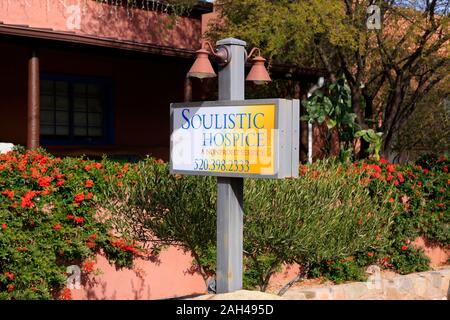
[33,102]
[187,89]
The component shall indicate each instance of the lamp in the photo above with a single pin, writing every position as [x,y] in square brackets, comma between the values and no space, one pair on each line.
[258,73]
[202,67]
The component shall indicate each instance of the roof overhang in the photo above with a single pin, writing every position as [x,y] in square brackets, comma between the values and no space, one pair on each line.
[27,32]
[72,37]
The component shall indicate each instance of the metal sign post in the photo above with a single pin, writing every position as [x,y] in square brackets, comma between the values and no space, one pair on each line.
[230,191]
[233,139]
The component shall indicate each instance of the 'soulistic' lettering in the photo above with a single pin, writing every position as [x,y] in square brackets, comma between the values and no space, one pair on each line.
[223,121]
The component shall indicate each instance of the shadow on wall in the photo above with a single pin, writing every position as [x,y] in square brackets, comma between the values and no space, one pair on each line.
[167,276]
[136,24]
[99,19]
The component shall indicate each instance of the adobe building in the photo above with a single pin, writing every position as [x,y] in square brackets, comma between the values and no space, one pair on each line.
[93,77]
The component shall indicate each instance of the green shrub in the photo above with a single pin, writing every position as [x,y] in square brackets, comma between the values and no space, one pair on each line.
[369,211]
[326,214]
[161,209]
[334,220]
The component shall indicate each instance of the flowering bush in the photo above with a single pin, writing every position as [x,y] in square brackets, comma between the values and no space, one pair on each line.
[421,191]
[333,220]
[48,221]
[325,214]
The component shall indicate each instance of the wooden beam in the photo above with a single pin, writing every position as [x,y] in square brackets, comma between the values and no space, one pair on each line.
[33,102]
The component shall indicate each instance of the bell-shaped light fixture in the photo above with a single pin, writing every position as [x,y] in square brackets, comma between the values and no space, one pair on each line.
[258,73]
[202,67]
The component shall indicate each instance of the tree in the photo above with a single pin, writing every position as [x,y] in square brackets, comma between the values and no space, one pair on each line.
[389,71]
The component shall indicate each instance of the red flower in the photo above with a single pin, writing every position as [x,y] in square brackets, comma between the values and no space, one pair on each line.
[440,204]
[4,226]
[93,236]
[395,182]
[391,200]
[390,168]
[404,248]
[65,294]
[119,183]
[89,184]
[10,287]
[370,254]
[87,167]
[21,166]
[79,198]
[407,241]
[122,245]
[360,221]
[400,177]
[88,266]
[35,173]
[9,194]
[57,226]
[26,200]
[79,220]
[382,160]
[44,182]
[375,175]
[89,196]
[60,182]
[446,169]
[98,166]
[70,217]
[10,275]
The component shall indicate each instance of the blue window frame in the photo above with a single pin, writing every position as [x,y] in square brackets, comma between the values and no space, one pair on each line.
[76,110]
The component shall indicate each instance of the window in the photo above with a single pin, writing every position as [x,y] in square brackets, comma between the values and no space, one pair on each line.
[75,111]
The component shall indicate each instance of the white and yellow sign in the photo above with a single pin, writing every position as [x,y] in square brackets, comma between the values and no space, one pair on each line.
[250,138]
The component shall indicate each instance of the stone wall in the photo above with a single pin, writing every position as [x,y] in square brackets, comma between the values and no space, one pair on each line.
[431,285]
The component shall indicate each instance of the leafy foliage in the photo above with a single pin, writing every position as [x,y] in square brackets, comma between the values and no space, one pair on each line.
[333,220]
[335,108]
[390,71]
[48,221]
[374,139]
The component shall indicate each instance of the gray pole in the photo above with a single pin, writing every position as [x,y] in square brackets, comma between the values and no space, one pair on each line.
[230,191]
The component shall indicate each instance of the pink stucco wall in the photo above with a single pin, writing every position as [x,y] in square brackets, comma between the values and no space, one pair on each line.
[167,275]
[92,18]
[438,256]
[170,275]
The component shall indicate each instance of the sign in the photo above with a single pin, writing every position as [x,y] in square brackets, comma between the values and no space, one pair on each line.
[248,138]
